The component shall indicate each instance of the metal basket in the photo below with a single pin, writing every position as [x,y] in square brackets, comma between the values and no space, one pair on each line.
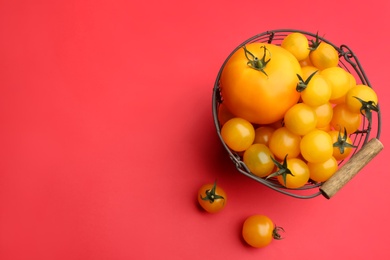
[349,62]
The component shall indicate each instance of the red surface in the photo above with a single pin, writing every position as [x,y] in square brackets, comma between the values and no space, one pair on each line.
[106,132]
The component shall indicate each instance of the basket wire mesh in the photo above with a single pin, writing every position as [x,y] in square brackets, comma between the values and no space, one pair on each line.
[349,62]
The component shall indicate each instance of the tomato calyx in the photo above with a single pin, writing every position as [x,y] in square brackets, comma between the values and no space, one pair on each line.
[367,108]
[210,195]
[275,233]
[302,84]
[314,43]
[283,169]
[256,63]
[342,143]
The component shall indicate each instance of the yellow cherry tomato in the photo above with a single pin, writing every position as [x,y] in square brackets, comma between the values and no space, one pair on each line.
[339,82]
[352,83]
[307,71]
[299,174]
[263,134]
[317,91]
[238,134]
[258,160]
[344,118]
[300,119]
[316,146]
[324,115]
[212,198]
[322,171]
[298,44]
[361,97]
[284,142]
[324,56]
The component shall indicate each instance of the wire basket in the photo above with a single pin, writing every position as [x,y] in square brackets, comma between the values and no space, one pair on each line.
[366,139]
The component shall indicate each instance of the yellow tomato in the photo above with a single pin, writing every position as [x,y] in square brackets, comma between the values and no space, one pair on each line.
[324,56]
[263,134]
[238,134]
[283,142]
[316,146]
[298,44]
[258,160]
[299,174]
[307,71]
[338,80]
[324,115]
[322,171]
[352,83]
[317,91]
[300,119]
[360,93]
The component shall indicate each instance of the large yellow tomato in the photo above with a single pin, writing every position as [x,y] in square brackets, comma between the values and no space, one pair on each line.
[258,82]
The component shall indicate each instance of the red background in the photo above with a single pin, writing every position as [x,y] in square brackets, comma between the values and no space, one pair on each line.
[106,132]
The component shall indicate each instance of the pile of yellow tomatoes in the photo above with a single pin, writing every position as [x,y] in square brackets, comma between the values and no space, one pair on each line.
[289,110]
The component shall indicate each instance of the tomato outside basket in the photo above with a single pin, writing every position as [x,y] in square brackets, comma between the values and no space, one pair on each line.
[366,139]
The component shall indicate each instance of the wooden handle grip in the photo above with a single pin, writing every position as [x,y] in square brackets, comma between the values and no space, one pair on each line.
[351,168]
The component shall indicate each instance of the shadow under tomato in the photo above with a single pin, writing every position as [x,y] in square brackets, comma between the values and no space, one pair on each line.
[216,165]
[208,147]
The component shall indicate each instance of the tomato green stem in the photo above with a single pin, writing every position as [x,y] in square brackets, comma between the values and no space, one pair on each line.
[275,233]
[302,84]
[314,43]
[342,142]
[367,107]
[210,194]
[283,170]
[256,63]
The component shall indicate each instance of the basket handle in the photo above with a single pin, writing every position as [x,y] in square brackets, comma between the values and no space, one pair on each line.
[351,168]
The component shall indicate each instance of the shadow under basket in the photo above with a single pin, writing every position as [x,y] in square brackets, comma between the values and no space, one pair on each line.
[366,139]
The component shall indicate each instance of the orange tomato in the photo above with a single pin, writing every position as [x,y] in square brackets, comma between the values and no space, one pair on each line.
[259,231]
[263,134]
[258,82]
[344,118]
[212,198]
